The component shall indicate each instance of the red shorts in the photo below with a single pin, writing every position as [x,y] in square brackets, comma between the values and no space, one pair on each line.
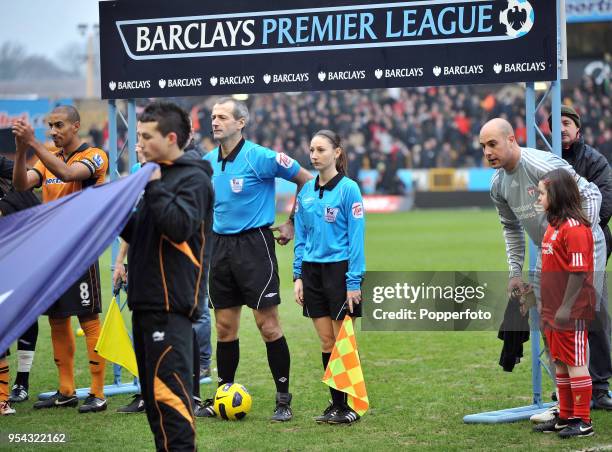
[568,346]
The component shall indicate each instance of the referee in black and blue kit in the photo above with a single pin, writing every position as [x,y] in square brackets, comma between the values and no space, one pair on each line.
[243,268]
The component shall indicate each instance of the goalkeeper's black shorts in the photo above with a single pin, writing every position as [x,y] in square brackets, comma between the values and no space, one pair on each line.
[325,290]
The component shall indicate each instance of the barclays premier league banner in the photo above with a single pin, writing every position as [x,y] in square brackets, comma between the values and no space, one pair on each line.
[182,48]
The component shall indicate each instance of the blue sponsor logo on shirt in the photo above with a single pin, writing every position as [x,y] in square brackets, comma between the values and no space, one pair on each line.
[98,161]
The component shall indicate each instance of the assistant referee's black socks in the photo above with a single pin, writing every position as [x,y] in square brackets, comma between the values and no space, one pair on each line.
[280,362]
[338,398]
[228,355]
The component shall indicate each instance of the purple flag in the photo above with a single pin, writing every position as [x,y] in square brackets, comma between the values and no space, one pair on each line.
[45,249]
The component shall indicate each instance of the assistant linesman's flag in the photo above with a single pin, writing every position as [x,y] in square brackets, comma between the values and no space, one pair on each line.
[114,343]
[44,250]
[344,369]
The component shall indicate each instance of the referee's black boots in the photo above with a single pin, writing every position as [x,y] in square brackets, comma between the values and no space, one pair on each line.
[282,412]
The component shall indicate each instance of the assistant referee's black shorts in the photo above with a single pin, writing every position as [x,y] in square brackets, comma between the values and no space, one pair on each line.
[325,290]
[244,270]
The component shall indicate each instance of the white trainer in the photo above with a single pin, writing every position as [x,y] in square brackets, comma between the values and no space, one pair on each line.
[5,409]
[545,416]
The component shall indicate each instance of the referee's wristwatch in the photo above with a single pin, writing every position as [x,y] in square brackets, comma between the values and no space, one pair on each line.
[296,277]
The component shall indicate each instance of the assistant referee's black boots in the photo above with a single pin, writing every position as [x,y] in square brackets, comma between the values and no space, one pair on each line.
[282,412]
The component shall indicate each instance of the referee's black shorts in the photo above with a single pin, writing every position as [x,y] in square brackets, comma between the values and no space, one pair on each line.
[325,290]
[244,270]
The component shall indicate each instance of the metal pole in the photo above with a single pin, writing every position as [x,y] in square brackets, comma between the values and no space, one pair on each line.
[556,115]
[112,139]
[530,101]
[556,88]
[132,133]
[534,324]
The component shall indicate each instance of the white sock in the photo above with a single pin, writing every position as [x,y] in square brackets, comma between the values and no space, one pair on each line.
[24,360]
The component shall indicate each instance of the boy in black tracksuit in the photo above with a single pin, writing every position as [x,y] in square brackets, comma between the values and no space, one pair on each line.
[166,237]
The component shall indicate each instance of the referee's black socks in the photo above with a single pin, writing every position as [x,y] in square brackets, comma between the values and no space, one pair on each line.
[338,397]
[279,361]
[228,355]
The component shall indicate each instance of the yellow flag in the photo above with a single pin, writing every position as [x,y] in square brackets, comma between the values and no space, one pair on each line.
[114,343]
[344,369]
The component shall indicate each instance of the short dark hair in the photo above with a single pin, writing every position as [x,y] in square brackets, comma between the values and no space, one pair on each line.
[170,118]
[563,198]
[71,112]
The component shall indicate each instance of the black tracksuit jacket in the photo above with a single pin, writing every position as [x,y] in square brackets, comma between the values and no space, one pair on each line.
[166,235]
[594,167]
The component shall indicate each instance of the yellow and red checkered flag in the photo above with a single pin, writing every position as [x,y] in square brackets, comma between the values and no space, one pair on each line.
[344,369]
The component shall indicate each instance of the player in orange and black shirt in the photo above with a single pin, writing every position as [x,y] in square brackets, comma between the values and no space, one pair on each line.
[72,167]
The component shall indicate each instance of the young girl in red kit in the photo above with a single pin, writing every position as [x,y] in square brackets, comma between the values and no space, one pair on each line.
[568,301]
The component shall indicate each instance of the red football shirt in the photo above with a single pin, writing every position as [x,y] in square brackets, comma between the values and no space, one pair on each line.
[567,249]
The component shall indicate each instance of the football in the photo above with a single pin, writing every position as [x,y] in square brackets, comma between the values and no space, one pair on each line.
[232,401]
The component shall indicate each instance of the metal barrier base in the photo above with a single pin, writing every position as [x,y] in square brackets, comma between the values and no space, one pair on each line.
[111,390]
[508,415]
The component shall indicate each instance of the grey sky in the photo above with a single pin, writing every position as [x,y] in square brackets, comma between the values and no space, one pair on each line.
[45,26]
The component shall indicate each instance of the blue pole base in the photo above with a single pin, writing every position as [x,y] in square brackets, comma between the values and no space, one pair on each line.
[508,415]
[109,390]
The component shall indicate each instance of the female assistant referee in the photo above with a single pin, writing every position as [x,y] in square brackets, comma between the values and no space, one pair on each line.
[329,258]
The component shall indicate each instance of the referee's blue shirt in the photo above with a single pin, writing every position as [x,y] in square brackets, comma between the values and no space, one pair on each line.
[330,227]
[244,186]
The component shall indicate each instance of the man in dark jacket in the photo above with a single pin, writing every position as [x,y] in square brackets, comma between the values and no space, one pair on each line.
[12,201]
[594,167]
[167,236]
[590,164]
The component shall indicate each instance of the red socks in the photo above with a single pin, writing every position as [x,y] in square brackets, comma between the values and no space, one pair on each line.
[566,402]
[575,397]
[582,390]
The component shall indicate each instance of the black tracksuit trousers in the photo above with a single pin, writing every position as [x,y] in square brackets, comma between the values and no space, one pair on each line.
[163,343]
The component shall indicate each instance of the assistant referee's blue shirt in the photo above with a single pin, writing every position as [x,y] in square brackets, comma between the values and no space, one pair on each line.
[245,187]
[330,227]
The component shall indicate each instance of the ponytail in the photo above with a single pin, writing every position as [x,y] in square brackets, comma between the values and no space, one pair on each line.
[336,141]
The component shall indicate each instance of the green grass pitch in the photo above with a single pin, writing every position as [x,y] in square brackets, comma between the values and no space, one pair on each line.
[420,384]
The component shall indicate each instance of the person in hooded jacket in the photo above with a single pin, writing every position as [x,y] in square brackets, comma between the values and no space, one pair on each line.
[166,237]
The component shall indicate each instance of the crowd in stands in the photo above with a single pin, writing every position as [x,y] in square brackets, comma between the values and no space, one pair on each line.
[389,129]
[411,127]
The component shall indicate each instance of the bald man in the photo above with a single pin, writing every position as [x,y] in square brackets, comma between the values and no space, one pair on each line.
[71,167]
[514,190]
